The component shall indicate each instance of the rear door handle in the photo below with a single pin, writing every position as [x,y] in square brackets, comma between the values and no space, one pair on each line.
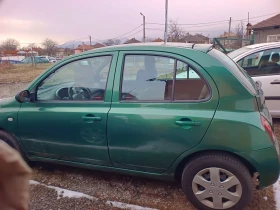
[91,118]
[187,123]
[275,82]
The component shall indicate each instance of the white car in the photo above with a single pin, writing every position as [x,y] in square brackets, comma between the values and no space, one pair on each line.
[262,63]
[49,58]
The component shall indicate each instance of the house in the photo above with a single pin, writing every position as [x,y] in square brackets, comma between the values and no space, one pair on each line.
[267,30]
[60,53]
[98,45]
[83,47]
[229,44]
[158,40]
[133,40]
[196,39]
[86,47]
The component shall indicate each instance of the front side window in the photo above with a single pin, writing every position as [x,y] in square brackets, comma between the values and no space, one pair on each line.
[151,78]
[84,79]
[266,62]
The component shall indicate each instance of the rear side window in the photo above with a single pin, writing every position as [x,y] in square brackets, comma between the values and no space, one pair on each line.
[159,78]
[265,62]
[235,69]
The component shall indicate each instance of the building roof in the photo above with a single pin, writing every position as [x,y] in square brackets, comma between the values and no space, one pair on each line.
[158,40]
[133,40]
[268,23]
[196,38]
[85,47]
[98,45]
[226,34]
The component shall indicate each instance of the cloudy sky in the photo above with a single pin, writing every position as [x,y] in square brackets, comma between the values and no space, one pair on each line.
[31,21]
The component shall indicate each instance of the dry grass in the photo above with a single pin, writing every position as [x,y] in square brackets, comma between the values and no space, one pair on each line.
[21,72]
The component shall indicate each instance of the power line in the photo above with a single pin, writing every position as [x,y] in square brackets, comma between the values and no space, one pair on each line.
[135,33]
[127,32]
[213,23]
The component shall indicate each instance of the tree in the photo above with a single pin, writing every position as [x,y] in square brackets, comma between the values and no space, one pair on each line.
[10,44]
[32,45]
[110,42]
[240,31]
[175,32]
[49,46]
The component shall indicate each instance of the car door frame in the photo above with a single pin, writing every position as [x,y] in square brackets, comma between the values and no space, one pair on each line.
[108,89]
[214,95]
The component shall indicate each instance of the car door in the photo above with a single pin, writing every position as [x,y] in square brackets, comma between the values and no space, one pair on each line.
[68,118]
[152,119]
[264,66]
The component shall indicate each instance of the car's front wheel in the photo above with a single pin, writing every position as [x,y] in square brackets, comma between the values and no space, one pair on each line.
[217,181]
[6,138]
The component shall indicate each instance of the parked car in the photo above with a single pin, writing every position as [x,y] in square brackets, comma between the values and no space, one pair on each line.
[124,109]
[37,59]
[49,58]
[262,63]
[11,61]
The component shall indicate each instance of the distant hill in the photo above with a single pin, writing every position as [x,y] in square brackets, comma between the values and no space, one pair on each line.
[77,43]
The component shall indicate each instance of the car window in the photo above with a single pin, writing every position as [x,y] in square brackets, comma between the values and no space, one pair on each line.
[266,62]
[84,79]
[188,84]
[145,77]
[151,78]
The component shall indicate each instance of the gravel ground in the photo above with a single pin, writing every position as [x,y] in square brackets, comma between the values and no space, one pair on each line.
[115,187]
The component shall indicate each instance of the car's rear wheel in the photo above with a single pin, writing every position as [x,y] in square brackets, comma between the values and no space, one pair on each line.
[6,138]
[217,181]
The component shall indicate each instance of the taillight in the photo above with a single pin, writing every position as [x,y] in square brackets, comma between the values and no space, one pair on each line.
[268,128]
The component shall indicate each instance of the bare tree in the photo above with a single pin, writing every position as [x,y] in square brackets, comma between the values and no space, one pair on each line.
[110,42]
[175,32]
[49,46]
[240,32]
[10,44]
[32,45]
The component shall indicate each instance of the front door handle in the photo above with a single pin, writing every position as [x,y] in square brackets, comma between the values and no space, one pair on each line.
[275,82]
[187,123]
[91,118]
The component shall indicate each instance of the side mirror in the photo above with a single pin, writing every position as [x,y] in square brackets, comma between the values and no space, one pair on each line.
[23,96]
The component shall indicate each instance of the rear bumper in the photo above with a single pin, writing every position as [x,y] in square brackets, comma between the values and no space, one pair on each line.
[267,163]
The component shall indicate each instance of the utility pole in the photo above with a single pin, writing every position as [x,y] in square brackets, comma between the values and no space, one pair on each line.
[248,18]
[166,26]
[144,28]
[229,26]
[228,30]
[89,40]
[73,50]
[83,47]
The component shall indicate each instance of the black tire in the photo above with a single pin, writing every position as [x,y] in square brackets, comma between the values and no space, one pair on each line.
[12,142]
[222,161]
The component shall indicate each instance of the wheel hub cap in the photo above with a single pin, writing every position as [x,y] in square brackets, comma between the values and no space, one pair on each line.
[217,188]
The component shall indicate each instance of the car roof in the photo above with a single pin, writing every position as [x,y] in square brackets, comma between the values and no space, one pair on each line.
[155,46]
[253,46]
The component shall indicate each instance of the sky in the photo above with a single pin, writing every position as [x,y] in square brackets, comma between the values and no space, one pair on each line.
[31,21]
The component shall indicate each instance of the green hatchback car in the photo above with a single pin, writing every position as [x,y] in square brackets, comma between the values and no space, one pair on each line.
[173,111]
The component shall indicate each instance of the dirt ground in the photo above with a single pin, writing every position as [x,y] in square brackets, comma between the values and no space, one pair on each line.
[115,187]
[16,73]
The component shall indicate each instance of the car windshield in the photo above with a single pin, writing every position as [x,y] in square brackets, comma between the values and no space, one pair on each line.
[237,52]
